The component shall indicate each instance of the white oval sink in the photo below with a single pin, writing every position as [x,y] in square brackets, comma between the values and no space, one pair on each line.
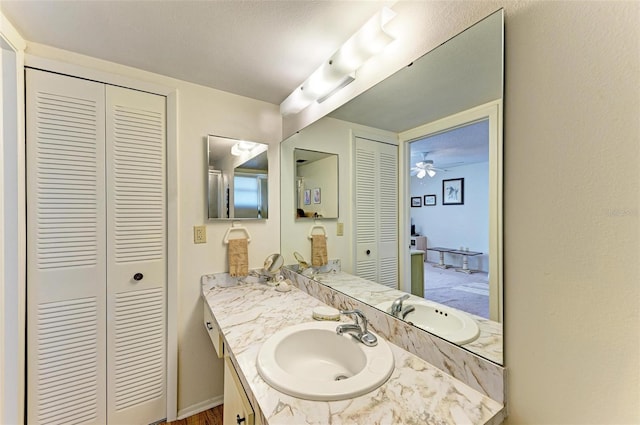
[311,361]
[453,325]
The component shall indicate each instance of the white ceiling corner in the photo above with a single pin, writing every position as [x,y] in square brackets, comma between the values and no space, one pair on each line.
[258,49]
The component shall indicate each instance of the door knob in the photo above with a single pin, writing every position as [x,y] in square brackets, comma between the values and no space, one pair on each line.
[239,420]
[137,276]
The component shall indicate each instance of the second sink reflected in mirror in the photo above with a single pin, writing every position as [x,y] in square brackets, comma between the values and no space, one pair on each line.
[459,77]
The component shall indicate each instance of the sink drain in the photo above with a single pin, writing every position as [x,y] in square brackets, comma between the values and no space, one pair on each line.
[340,377]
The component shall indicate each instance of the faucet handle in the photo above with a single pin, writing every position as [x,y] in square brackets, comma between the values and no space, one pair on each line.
[365,336]
[358,317]
[396,306]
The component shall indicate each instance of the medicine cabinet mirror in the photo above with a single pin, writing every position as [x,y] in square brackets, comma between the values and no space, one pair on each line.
[316,188]
[237,176]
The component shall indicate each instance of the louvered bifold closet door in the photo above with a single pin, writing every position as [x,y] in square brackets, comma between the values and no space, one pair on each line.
[365,211]
[388,215]
[66,272]
[376,206]
[136,270]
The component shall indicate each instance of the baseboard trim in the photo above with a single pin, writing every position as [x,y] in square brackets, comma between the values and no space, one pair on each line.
[200,407]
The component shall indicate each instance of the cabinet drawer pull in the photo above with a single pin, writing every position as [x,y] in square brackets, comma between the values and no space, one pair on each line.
[239,420]
[209,326]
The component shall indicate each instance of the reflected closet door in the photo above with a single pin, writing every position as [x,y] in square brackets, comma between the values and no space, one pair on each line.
[376,211]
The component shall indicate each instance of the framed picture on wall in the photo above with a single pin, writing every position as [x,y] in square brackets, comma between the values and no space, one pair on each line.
[307,196]
[429,200]
[416,202]
[316,195]
[453,192]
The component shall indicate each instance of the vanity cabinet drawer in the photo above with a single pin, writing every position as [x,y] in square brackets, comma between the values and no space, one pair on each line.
[213,331]
[237,408]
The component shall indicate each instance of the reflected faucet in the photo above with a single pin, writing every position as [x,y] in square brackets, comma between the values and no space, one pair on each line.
[397,309]
[358,329]
[302,264]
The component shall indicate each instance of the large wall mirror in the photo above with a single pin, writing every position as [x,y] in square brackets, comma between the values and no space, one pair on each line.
[237,177]
[443,115]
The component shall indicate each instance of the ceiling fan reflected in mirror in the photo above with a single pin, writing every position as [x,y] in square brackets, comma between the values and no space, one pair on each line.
[425,168]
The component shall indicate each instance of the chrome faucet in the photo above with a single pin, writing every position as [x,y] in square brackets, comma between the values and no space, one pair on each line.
[358,329]
[397,309]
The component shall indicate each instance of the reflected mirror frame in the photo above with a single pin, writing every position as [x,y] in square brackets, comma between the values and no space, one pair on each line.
[337,194]
[208,152]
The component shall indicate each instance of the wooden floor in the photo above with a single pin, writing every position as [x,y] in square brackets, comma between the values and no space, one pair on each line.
[208,417]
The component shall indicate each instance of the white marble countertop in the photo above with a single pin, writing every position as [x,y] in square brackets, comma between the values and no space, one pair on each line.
[487,345]
[417,392]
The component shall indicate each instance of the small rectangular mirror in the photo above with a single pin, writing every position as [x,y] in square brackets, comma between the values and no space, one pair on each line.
[316,186]
[237,176]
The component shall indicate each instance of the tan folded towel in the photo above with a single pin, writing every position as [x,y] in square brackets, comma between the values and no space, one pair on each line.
[238,257]
[318,250]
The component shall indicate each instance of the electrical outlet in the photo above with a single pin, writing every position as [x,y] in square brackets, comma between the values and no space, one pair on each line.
[199,234]
[340,229]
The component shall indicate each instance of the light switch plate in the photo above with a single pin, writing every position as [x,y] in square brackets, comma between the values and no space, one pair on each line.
[199,234]
[340,229]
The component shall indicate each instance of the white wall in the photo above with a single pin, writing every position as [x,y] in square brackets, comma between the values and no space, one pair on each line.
[572,234]
[455,226]
[203,111]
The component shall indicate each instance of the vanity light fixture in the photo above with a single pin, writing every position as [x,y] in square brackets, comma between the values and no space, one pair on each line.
[242,147]
[339,70]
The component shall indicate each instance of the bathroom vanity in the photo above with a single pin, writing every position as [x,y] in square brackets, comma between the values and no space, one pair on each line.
[243,316]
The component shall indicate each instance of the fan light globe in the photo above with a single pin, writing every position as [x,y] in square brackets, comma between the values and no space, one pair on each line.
[421,174]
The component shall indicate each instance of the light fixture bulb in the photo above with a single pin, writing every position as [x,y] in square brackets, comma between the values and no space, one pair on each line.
[242,147]
[334,73]
[295,102]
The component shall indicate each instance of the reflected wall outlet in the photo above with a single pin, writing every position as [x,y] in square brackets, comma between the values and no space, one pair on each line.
[340,229]
[199,234]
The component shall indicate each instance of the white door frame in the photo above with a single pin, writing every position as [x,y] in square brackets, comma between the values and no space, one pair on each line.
[172,200]
[12,225]
[492,111]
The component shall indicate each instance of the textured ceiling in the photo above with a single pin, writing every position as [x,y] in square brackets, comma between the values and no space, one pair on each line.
[258,49]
